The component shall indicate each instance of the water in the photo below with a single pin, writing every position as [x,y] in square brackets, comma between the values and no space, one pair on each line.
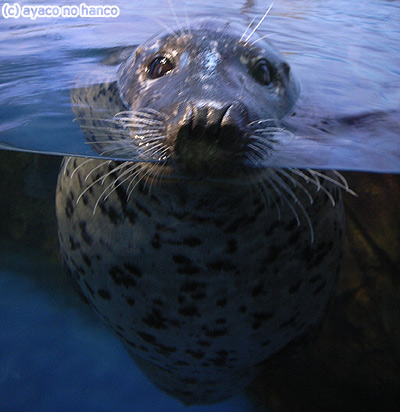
[54,355]
[346,56]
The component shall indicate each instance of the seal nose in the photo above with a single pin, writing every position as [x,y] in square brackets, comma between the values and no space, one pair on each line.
[209,138]
[215,123]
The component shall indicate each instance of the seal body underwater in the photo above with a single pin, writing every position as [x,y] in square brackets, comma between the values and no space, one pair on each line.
[204,263]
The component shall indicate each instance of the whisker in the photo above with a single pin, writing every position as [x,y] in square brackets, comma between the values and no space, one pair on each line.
[108,129]
[118,180]
[152,111]
[261,38]
[176,18]
[264,194]
[317,183]
[103,163]
[290,192]
[261,146]
[274,200]
[80,165]
[258,25]
[342,178]
[331,180]
[66,165]
[137,182]
[141,122]
[151,133]
[100,179]
[167,28]
[106,141]
[296,183]
[275,130]
[259,121]
[150,148]
[247,28]
[145,112]
[109,151]
[187,22]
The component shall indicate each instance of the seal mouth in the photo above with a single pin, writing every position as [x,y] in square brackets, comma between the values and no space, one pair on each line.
[203,141]
[208,137]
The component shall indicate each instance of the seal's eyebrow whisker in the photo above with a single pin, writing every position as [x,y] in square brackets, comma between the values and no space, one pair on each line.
[167,28]
[262,38]
[258,25]
[187,23]
[182,32]
[247,28]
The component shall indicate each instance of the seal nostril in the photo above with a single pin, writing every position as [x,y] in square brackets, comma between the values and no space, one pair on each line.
[233,125]
[210,133]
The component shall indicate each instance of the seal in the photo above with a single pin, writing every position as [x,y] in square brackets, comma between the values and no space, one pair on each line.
[204,263]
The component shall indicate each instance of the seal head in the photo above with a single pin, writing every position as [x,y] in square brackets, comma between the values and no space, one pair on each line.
[210,89]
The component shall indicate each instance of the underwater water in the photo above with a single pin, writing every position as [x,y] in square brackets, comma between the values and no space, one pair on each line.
[54,354]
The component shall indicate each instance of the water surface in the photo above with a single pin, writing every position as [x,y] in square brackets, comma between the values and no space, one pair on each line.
[345,55]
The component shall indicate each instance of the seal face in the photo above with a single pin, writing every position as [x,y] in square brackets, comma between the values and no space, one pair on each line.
[203,264]
[212,90]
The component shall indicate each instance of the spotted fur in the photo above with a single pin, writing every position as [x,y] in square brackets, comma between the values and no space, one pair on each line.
[198,294]
[202,275]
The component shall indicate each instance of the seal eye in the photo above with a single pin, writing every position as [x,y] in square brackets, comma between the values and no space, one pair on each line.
[159,66]
[262,72]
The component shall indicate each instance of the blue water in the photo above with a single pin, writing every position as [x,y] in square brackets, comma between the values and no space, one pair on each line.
[55,356]
[346,56]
